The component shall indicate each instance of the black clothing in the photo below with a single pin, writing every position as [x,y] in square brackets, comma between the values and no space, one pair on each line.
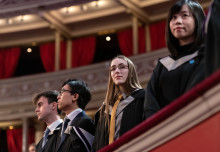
[73,141]
[50,145]
[167,84]
[132,116]
[213,40]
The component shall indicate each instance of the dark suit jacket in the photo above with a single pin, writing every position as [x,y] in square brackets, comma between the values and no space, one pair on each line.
[73,141]
[50,145]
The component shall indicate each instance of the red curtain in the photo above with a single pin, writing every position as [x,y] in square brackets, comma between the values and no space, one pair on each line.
[83,51]
[14,139]
[126,43]
[8,61]
[157,35]
[47,53]
[62,55]
[141,40]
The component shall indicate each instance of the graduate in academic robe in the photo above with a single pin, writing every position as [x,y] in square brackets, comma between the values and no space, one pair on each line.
[122,109]
[78,129]
[212,30]
[47,111]
[184,67]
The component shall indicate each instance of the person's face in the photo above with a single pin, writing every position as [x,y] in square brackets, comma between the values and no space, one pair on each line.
[182,26]
[32,149]
[43,109]
[119,71]
[65,99]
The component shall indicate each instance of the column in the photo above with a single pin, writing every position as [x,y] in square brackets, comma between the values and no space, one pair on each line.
[69,54]
[24,134]
[148,40]
[135,34]
[57,51]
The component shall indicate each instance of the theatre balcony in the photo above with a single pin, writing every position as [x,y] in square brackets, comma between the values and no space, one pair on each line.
[43,43]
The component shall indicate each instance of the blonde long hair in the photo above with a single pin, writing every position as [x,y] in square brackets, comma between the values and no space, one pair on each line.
[132,83]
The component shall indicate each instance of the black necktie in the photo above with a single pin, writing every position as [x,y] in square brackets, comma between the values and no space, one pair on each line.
[45,137]
[64,128]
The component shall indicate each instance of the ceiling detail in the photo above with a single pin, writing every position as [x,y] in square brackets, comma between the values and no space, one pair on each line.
[23,22]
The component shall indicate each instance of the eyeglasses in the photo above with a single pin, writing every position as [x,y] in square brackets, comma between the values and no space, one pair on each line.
[63,90]
[120,67]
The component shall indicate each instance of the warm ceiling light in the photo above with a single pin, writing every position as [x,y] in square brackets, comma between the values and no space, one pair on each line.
[96,3]
[29,50]
[9,21]
[21,18]
[67,10]
[11,127]
[1,21]
[84,7]
[108,38]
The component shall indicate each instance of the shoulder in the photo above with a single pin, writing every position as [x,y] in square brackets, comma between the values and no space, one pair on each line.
[86,123]
[138,93]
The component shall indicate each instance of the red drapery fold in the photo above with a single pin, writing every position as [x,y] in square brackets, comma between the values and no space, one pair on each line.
[141,40]
[62,55]
[14,139]
[83,51]
[47,53]
[126,43]
[157,35]
[8,61]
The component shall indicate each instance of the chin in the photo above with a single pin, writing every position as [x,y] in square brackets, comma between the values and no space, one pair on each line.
[119,83]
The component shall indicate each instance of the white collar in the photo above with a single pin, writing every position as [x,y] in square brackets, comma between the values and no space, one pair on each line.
[172,64]
[74,113]
[53,126]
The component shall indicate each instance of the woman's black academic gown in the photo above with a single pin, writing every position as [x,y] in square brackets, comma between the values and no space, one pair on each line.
[132,116]
[167,83]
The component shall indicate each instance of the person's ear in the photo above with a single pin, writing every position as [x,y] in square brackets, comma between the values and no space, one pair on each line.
[75,97]
[54,105]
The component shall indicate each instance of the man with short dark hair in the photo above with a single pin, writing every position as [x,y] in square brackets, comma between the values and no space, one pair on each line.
[78,129]
[47,111]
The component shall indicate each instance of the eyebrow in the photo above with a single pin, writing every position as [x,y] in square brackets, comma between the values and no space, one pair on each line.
[39,103]
[184,11]
[119,64]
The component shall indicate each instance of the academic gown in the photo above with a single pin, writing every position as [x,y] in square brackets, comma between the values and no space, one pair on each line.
[166,84]
[50,145]
[80,135]
[212,53]
[132,116]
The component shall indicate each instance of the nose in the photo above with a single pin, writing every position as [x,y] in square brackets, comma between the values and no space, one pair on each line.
[117,69]
[36,110]
[178,20]
[58,97]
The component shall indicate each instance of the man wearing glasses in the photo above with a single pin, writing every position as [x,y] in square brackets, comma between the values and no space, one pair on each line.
[47,111]
[78,129]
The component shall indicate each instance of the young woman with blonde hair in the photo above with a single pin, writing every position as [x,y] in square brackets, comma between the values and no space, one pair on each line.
[123,106]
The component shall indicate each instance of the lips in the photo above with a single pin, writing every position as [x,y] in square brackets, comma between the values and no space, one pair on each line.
[118,77]
[178,28]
